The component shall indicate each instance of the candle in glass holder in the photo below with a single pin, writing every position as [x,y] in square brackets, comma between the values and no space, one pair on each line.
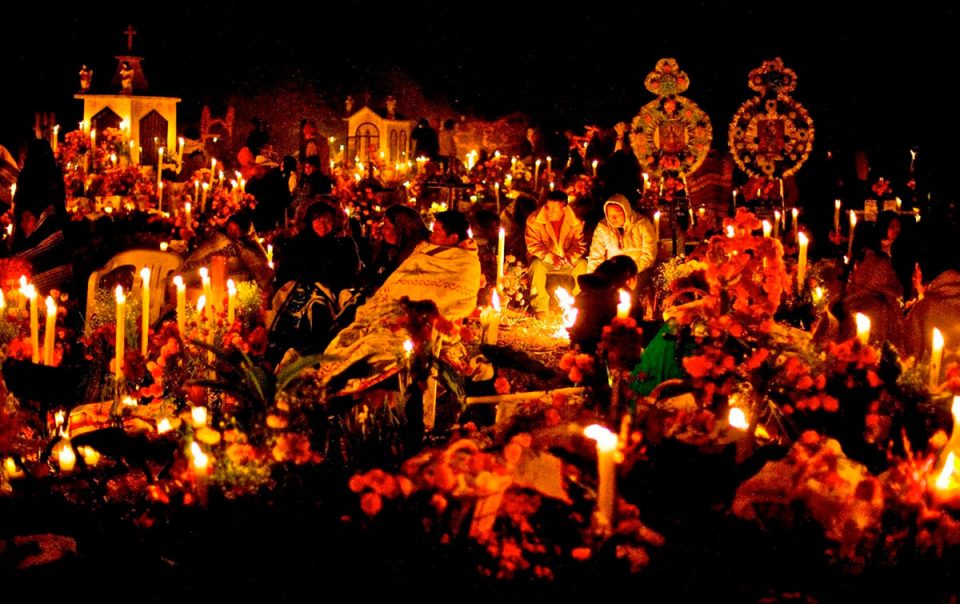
[51,330]
[181,303]
[936,357]
[607,445]
[863,328]
[144,310]
[121,329]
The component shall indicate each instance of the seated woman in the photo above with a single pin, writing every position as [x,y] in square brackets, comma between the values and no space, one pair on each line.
[42,243]
[401,231]
[321,263]
[246,259]
[873,287]
[597,301]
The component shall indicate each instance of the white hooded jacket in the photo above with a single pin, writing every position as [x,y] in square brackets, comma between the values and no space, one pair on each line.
[638,239]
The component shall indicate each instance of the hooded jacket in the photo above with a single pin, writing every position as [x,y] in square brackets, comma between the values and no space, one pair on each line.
[541,239]
[638,239]
[940,308]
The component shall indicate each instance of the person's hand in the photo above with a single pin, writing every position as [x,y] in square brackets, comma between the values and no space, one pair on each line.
[620,129]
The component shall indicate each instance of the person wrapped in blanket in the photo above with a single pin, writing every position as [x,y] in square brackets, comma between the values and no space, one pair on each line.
[445,270]
[320,263]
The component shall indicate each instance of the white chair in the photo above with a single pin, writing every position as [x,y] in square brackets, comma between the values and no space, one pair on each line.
[161,265]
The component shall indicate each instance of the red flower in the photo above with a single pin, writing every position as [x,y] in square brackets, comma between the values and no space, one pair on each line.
[501,385]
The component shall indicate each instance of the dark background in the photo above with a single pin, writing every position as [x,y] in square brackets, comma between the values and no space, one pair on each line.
[870,77]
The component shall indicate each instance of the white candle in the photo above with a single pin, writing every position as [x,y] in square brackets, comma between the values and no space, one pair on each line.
[607,445]
[66,458]
[836,216]
[501,247]
[536,174]
[623,308]
[776,224]
[180,143]
[646,181]
[181,303]
[121,328]
[656,225]
[734,199]
[767,228]
[936,357]
[160,176]
[203,197]
[594,165]
[51,330]
[490,320]
[31,293]
[196,191]
[144,310]
[231,301]
[853,228]
[56,131]
[496,190]
[549,164]
[207,286]
[802,261]
[213,170]
[863,328]
[186,210]
[794,213]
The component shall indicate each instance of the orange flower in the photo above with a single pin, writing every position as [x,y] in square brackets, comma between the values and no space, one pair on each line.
[371,504]
[581,553]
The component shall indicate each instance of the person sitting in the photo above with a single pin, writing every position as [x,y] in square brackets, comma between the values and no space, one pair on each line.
[311,185]
[320,264]
[555,246]
[444,270]
[597,301]
[246,258]
[513,221]
[622,231]
[873,287]
[401,231]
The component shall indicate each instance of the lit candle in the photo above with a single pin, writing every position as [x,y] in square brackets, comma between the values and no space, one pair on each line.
[490,320]
[56,131]
[646,181]
[65,456]
[607,445]
[213,170]
[180,143]
[144,310]
[196,191]
[189,219]
[207,285]
[160,175]
[51,330]
[11,469]
[270,255]
[731,232]
[836,216]
[121,327]
[164,246]
[623,308]
[656,225]
[3,302]
[501,247]
[776,224]
[536,174]
[594,165]
[863,328]
[936,357]
[794,213]
[496,190]
[802,261]
[734,199]
[31,294]
[91,456]
[899,204]
[853,228]
[181,303]
[201,308]
[199,416]
[203,197]
[231,301]
[767,228]
[549,164]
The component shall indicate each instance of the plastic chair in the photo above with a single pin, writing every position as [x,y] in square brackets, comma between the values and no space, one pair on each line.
[161,265]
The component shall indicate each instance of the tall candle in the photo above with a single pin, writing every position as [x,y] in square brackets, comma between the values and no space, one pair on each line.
[31,293]
[863,328]
[160,176]
[270,255]
[607,445]
[203,197]
[802,261]
[56,131]
[231,301]
[776,224]
[490,320]
[536,174]
[93,149]
[181,303]
[501,246]
[188,219]
[936,357]
[836,216]
[51,330]
[853,228]
[734,199]
[121,329]
[656,225]
[196,191]
[213,170]
[623,308]
[549,164]
[144,310]
[795,213]
[767,228]
[496,190]
[180,143]
[207,286]
[646,181]
[594,165]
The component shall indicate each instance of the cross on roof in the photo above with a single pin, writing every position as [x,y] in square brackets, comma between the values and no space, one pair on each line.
[130,33]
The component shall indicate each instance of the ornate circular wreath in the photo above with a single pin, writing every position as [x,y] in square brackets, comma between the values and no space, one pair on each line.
[771,134]
[671,133]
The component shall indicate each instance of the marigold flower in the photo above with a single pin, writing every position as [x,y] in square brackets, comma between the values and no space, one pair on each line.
[371,504]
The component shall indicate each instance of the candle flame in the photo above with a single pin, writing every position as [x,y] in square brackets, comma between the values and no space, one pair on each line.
[606,440]
[495,301]
[863,327]
[566,303]
[201,303]
[51,306]
[937,339]
[119,293]
[737,418]
[231,287]
[178,281]
[200,459]
[943,479]
[731,232]
[164,425]
[65,456]
[836,203]
[408,346]
[199,416]
[91,456]
[802,238]
[818,294]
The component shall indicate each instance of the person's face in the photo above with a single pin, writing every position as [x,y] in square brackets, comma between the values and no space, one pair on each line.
[389,232]
[616,216]
[233,230]
[893,231]
[28,223]
[309,169]
[555,210]
[322,225]
[439,236]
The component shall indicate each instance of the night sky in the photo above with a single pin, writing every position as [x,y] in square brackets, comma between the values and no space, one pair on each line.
[869,78]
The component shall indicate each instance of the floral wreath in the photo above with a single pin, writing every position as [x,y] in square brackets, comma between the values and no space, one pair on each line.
[771,134]
[670,133]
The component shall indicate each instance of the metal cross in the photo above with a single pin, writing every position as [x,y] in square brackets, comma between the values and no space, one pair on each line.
[130,33]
